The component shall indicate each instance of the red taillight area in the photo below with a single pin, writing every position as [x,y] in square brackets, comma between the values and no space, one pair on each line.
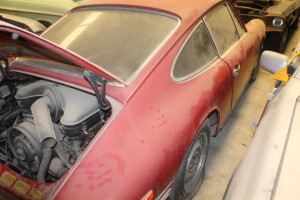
[17,185]
[149,196]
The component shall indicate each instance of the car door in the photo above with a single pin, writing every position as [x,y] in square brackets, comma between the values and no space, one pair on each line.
[234,45]
[199,67]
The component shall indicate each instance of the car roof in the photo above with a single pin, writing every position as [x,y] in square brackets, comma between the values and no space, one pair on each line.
[186,10]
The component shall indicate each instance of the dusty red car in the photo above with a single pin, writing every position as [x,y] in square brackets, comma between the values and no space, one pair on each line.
[118,100]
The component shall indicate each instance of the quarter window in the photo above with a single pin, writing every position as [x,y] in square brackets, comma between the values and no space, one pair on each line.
[196,55]
[222,28]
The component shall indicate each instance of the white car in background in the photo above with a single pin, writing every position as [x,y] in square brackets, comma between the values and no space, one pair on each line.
[271,167]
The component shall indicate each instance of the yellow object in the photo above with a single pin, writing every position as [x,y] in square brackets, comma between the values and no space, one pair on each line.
[7,179]
[292,58]
[21,187]
[282,75]
[37,194]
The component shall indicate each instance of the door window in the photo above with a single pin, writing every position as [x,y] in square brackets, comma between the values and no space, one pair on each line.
[240,28]
[222,28]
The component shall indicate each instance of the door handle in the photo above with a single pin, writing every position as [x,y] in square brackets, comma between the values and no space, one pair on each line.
[236,70]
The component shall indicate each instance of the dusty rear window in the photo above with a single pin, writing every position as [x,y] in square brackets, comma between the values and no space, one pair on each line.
[121,41]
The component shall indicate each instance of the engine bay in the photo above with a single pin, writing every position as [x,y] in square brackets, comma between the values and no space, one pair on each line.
[45,126]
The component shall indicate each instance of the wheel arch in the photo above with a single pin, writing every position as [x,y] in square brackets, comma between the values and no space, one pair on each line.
[178,190]
[214,119]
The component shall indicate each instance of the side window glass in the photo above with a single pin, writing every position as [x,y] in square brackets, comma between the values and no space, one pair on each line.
[239,26]
[222,28]
[196,55]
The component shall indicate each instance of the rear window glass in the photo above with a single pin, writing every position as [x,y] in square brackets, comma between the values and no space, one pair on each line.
[121,41]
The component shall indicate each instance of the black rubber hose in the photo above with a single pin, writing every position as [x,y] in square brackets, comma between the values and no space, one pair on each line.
[11,116]
[45,164]
[10,145]
[48,144]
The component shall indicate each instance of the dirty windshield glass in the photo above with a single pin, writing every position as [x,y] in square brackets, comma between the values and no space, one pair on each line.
[121,41]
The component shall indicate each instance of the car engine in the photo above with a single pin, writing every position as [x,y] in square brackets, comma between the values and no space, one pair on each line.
[45,126]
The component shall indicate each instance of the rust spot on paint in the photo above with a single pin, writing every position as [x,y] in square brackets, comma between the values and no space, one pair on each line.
[100,165]
[119,161]
[111,166]
[162,123]
[91,186]
[108,180]
[89,173]
[161,117]
[107,172]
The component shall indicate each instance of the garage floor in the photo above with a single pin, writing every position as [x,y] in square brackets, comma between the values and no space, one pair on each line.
[230,146]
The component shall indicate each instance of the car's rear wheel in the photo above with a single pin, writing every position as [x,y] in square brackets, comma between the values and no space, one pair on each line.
[191,171]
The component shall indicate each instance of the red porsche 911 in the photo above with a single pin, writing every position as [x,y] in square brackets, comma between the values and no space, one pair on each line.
[119,99]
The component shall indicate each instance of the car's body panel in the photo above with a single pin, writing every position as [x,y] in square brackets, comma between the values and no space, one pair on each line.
[267,148]
[237,58]
[290,162]
[288,10]
[154,118]
[148,133]
[280,16]
[284,8]
[270,169]
[162,132]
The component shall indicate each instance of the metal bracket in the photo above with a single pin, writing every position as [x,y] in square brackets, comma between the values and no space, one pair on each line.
[96,80]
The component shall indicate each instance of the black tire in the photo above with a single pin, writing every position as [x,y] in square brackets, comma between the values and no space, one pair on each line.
[254,72]
[284,40]
[277,41]
[296,16]
[256,68]
[296,24]
[191,172]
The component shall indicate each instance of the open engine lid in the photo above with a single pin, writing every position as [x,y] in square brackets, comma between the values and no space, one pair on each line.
[16,42]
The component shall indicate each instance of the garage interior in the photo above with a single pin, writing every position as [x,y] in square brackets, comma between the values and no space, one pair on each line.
[231,144]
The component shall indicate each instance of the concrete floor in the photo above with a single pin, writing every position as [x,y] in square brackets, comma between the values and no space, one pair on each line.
[229,147]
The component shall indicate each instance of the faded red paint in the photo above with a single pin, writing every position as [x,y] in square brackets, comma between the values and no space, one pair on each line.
[142,148]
